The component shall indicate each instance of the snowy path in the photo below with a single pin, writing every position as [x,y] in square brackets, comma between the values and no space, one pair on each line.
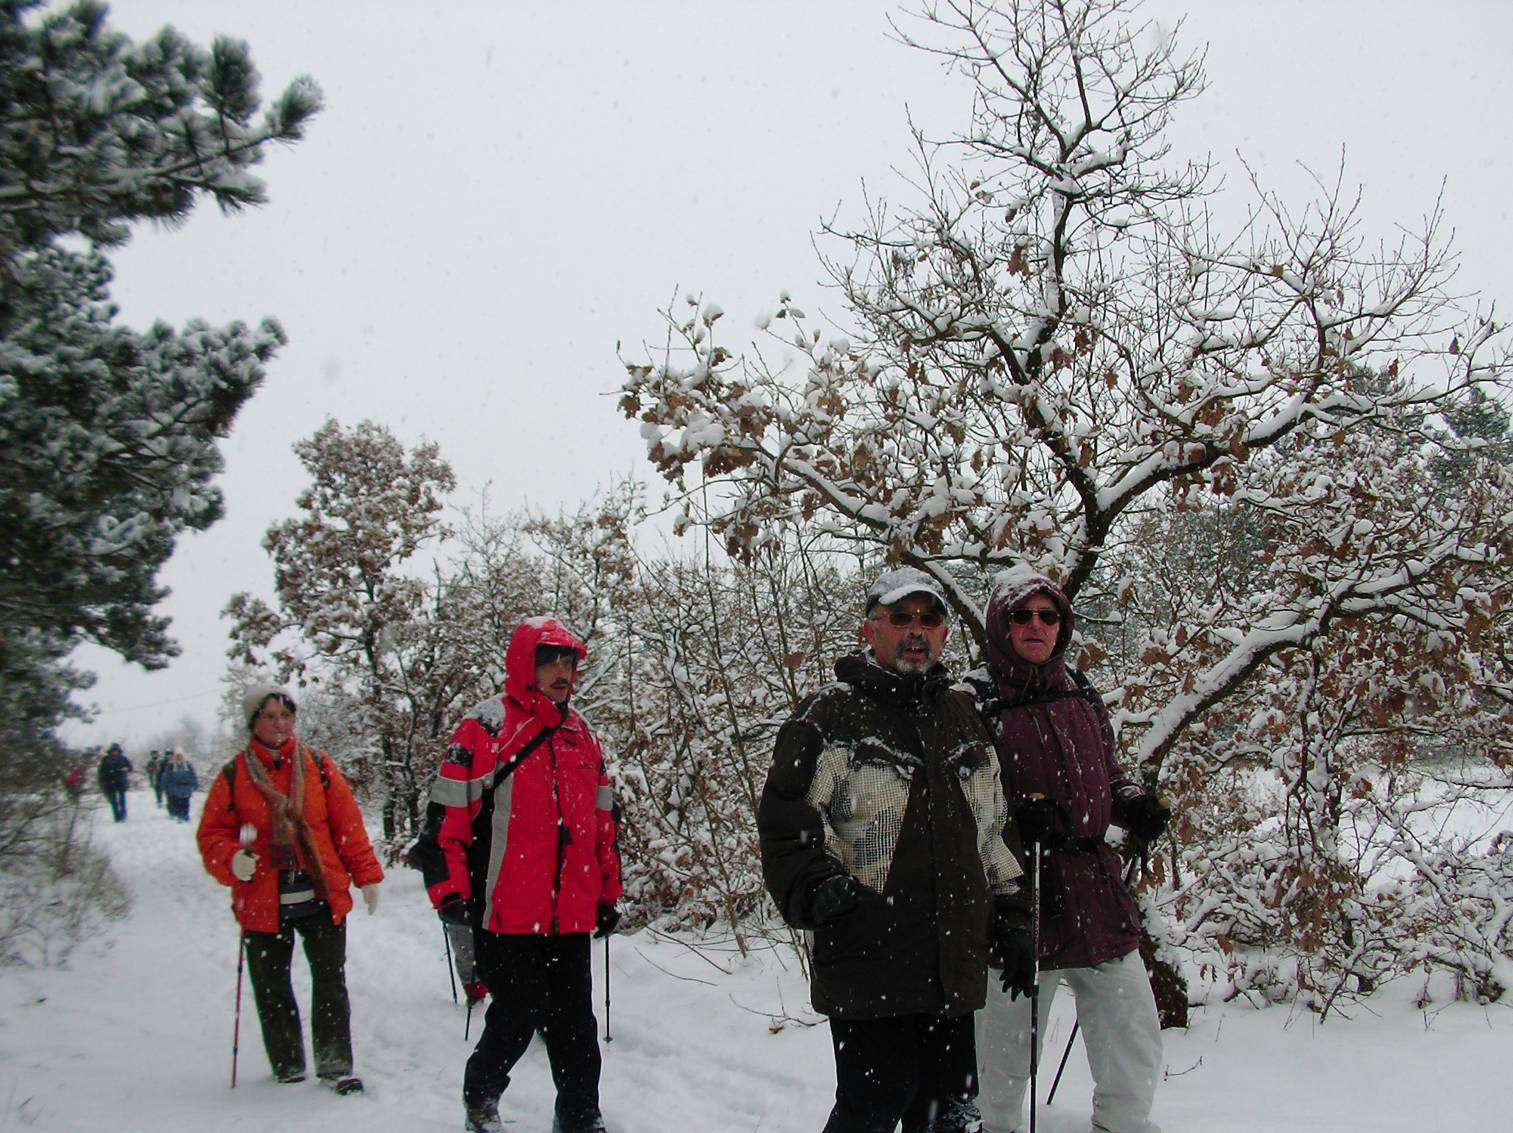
[135,1034]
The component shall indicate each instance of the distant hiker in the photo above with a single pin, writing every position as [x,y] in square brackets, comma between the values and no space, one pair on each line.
[307,847]
[882,830]
[154,770]
[178,781]
[520,846]
[1065,787]
[115,776]
[73,781]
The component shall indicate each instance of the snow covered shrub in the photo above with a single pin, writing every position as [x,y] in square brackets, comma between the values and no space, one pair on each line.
[56,889]
[1268,457]
[718,657]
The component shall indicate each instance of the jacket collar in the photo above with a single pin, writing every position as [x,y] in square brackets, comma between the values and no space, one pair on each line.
[863,671]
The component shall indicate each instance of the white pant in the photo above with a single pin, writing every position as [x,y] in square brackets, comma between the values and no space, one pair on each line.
[1120,1031]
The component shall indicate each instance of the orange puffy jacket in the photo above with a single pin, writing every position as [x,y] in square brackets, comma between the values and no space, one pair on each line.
[336,830]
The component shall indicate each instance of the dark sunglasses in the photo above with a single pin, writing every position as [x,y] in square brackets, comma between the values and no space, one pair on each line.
[1025,617]
[930,619]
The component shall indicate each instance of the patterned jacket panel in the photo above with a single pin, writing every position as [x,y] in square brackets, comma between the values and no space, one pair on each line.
[892,780]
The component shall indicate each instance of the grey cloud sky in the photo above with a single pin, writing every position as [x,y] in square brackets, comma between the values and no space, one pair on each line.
[497,193]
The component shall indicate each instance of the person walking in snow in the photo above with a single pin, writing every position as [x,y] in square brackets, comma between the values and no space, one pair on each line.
[1064,788]
[74,780]
[178,781]
[154,771]
[519,844]
[306,844]
[115,775]
[882,831]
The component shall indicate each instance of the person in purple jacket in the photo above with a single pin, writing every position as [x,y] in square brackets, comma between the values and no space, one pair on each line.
[1065,788]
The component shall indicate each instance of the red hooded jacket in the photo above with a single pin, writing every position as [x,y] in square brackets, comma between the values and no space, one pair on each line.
[541,841]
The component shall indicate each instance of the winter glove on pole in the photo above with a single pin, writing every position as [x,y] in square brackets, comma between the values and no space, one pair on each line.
[606,920]
[456,909]
[1011,949]
[1146,817]
[243,865]
[369,897]
[833,898]
[1043,821]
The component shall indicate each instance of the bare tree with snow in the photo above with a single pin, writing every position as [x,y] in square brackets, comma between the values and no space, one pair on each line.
[1057,355]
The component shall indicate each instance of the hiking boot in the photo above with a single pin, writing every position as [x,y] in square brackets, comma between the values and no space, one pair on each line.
[955,1115]
[348,1084]
[289,1077]
[594,1124]
[483,1119]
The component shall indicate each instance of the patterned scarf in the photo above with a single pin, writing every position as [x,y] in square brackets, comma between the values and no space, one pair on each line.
[290,832]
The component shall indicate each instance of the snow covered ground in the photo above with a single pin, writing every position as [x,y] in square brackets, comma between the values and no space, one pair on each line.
[135,1034]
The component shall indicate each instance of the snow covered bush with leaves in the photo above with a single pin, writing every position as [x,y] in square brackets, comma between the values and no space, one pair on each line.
[1057,356]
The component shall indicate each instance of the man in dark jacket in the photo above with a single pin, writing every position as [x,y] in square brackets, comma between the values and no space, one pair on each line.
[1064,788]
[115,774]
[881,828]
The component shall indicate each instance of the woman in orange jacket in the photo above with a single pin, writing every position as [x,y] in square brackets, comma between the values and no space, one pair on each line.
[283,830]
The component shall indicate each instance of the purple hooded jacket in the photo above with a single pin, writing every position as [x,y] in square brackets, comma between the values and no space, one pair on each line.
[1054,740]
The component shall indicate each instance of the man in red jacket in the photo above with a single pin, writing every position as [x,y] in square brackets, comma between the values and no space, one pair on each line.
[520,845]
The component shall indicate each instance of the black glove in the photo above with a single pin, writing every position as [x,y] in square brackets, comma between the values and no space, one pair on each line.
[606,920]
[833,898]
[1011,950]
[1043,821]
[1146,817]
[456,909]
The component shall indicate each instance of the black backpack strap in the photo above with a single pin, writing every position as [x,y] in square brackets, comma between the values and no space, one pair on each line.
[425,852]
[519,757]
[322,763]
[1084,686]
[228,773]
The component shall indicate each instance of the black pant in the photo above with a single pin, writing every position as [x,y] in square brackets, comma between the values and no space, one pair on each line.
[913,1069]
[178,808]
[117,798]
[537,983]
[268,958]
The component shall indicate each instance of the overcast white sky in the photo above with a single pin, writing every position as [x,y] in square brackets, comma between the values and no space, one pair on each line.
[498,193]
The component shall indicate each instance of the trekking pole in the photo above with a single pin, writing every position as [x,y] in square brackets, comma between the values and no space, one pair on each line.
[1034,977]
[608,1038]
[1056,1081]
[451,973]
[1136,868]
[236,1027]
[247,835]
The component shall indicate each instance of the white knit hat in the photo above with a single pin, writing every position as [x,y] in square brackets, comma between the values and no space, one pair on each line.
[256,696]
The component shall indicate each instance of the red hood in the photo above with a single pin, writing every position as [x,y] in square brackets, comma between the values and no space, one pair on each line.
[520,661]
